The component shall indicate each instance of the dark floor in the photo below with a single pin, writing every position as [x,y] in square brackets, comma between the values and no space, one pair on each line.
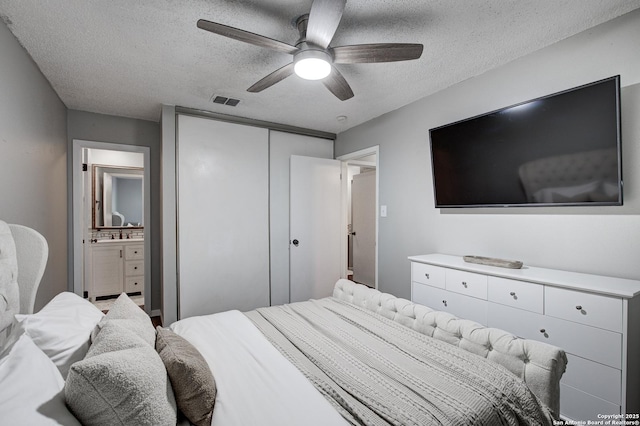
[156,321]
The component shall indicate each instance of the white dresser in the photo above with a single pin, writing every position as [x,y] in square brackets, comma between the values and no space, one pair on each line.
[595,319]
[116,266]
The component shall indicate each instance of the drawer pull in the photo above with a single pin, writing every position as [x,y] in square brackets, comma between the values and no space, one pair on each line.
[135,252]
[444,302]
[579,307]
[426,275]
[135,267]
[542,330]
[512,294]
[464,284]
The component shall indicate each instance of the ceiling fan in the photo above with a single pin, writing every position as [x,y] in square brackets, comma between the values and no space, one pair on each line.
[313,59]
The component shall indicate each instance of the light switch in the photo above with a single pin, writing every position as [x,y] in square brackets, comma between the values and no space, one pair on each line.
[383,211]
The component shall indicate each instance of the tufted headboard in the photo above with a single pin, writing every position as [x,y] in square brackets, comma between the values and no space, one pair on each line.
[9,290]
[23,258]
[540,365]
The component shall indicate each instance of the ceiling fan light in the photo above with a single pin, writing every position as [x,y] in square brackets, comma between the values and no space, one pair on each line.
[312,65]
[312,68]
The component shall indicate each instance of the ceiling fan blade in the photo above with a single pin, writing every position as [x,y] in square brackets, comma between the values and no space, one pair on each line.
[324,19]
[378,52]
[273,78]
[246,36]
[337,85]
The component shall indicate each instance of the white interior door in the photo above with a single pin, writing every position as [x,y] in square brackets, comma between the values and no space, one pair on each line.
[282,146]
[363,219]
[315,227]
[223,216]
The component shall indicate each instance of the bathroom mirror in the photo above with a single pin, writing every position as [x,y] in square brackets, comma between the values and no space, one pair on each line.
[117,197]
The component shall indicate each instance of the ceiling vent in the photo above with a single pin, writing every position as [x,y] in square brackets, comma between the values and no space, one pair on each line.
[222,100]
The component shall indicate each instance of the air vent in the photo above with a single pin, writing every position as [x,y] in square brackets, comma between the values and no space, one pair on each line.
[222,100]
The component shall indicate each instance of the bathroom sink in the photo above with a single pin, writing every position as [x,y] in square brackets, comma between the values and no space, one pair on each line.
[118,240]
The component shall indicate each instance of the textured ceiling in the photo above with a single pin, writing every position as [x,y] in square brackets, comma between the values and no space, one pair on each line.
[127,57]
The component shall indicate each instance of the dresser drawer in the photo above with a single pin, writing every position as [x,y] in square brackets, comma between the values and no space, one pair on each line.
[467,283]
[593,378]
[133,252]
[517,294]
[586,308]
[134,268]
[578,405]
[592,343]
[456,304]
[427,274]
[134,284]
[427,296]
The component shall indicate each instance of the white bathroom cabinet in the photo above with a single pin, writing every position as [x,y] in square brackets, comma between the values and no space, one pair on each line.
[116,266]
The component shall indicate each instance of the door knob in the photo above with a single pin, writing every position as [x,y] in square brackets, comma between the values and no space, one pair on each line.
[353,233]
[296,242]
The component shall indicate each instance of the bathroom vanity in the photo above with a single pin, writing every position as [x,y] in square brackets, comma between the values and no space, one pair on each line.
[116,266]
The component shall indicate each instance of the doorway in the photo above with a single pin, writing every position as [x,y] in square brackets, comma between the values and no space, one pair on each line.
[101,249]
[360,218]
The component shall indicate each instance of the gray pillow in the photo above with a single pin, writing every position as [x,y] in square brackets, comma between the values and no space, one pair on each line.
[191,378]
[129,315]
[122,380]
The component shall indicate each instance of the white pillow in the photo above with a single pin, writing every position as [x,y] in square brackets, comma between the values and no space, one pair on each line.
[32,388]
[62,328]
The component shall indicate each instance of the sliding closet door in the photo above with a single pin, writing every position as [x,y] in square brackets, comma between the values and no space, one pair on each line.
[223,216]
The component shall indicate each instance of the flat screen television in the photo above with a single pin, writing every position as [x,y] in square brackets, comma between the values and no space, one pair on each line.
[562,149]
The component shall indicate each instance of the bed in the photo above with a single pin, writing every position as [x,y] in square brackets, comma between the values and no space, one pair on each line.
[359,357]
[374,358]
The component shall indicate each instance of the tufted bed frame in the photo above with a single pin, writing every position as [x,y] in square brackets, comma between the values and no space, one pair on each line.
[540,365]
[366,368]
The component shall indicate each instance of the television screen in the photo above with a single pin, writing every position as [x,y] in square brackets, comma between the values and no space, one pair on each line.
[561,149]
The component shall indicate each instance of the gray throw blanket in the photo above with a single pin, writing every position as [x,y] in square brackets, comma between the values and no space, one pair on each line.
[375,371]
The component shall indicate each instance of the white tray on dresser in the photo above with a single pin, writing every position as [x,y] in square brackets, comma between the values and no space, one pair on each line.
[596,319]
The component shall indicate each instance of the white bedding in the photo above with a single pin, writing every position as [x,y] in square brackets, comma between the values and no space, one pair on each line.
[255,383]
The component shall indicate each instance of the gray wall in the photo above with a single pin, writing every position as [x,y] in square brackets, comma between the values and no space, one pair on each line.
[33,158]
[599,240]
[120,130]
